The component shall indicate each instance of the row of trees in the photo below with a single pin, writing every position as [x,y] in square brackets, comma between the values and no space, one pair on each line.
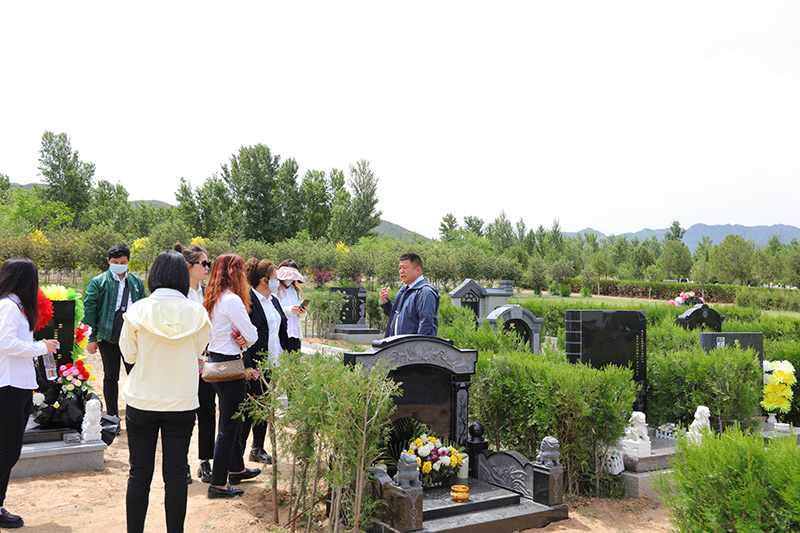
[255,196]
[549,250]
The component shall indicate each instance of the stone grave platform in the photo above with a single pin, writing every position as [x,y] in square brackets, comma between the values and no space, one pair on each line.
[48,451]
[640,471]
[357,333]
[489,509]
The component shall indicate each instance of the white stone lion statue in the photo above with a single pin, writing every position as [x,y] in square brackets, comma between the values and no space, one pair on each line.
[637,431]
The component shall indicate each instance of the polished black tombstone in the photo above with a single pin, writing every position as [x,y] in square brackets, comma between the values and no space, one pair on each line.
[434,376]
[354,308]
[602,337]
[701,316]
[62,329]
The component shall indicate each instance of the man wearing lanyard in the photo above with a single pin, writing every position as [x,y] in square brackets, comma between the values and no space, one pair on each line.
[415,310]
[107,295]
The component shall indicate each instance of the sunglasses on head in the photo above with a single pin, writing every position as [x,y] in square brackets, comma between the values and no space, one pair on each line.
[206,264]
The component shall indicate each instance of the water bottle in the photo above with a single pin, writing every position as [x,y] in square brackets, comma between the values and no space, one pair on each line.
[50,366]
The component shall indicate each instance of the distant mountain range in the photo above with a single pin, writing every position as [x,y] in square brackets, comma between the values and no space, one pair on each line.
[394,231]
[758,234]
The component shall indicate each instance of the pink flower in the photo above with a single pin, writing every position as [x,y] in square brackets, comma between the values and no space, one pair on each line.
[62,368]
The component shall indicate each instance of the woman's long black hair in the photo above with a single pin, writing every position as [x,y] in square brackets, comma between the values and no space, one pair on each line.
[20,276]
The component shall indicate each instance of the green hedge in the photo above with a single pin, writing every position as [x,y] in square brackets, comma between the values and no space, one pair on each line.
[732,482]
[763,298]
[521,399]
[659,290]
[727,381]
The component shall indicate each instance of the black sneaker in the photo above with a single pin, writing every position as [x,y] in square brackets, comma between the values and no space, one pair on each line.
[188,475]
[204,472]
[260,455]
[227,492]
[10,521]
[249,473]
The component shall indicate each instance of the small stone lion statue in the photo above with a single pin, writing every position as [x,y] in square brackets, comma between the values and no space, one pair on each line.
[638,427]
[91,421]
[407,476]
[549,454]
[701,423]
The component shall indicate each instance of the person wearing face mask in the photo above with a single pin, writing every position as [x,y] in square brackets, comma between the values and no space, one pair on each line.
[270,321]
[291,297]
[107,298]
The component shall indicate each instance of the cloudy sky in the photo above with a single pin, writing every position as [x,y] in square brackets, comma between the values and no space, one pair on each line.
[611,115]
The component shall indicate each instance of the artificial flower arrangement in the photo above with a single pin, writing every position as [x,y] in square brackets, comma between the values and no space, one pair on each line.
[687,298]
[61,402]
[436,459]
[778,380]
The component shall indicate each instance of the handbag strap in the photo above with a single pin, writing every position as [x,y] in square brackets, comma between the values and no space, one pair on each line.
[123,306]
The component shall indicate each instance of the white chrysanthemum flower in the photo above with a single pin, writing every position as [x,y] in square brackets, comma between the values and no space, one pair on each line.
[424,450]
[38,399]
[786,366]
[767,365]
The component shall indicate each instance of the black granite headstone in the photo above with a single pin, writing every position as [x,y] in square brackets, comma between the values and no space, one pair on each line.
[353,310]
[62,329]
[600,337]
[701,316]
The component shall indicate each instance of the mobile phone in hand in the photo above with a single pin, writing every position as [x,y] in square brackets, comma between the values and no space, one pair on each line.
[235,333]
[305,303]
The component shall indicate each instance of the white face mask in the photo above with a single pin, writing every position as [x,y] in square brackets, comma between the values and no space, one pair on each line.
[274,284]
[287,283]
[117,269]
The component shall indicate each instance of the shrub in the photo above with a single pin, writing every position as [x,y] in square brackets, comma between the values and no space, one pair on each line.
[727,381]
[732,482]
[521,399]
[558,289]
[324,309]
[376,319]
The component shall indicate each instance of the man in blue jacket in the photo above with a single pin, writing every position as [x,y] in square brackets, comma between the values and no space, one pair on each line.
[415,310]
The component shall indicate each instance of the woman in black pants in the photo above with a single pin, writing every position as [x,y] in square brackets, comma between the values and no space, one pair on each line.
[18,315]
[270,321]
[228,303]
[198,264]
[162,335]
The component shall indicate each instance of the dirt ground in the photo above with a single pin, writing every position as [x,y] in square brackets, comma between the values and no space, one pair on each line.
[94,502]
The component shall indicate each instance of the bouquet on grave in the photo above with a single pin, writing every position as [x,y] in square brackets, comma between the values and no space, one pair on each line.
[687,298]
[436,459]
[778,380]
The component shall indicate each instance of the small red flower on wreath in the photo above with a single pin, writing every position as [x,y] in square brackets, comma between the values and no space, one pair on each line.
[45,307]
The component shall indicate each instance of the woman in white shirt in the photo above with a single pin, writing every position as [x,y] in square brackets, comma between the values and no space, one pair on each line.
[270,321]
[19,312]
[291,297]
[198,264]
[228,303]
[162,335]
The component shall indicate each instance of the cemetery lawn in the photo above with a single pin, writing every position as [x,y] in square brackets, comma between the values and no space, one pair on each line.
[94,502]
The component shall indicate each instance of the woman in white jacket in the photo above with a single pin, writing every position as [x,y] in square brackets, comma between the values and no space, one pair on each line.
[19,280]
[162,335]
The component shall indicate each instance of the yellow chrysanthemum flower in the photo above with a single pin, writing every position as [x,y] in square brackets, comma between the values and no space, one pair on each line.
[426,468]
[418,442]
[432,440]
[56,293]
[419,462]
[783,376]
[454,460]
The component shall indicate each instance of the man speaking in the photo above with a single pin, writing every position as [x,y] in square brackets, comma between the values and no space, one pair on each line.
[415,310]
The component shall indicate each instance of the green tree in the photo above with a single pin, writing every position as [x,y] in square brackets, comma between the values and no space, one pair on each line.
[500,233]
[26,207]
[364,187]
[94,244]
[287,198]
[251,177]
[732,260]
[474,225]
[703,250]
[676,261]
[315,198]
[69,178]
[109,203]
[5,186]
[675,232]
[340,227]
[602,264]
[448,227]
[640,258]
[555,238]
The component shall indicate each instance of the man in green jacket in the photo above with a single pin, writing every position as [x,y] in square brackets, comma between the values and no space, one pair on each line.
[104,296]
